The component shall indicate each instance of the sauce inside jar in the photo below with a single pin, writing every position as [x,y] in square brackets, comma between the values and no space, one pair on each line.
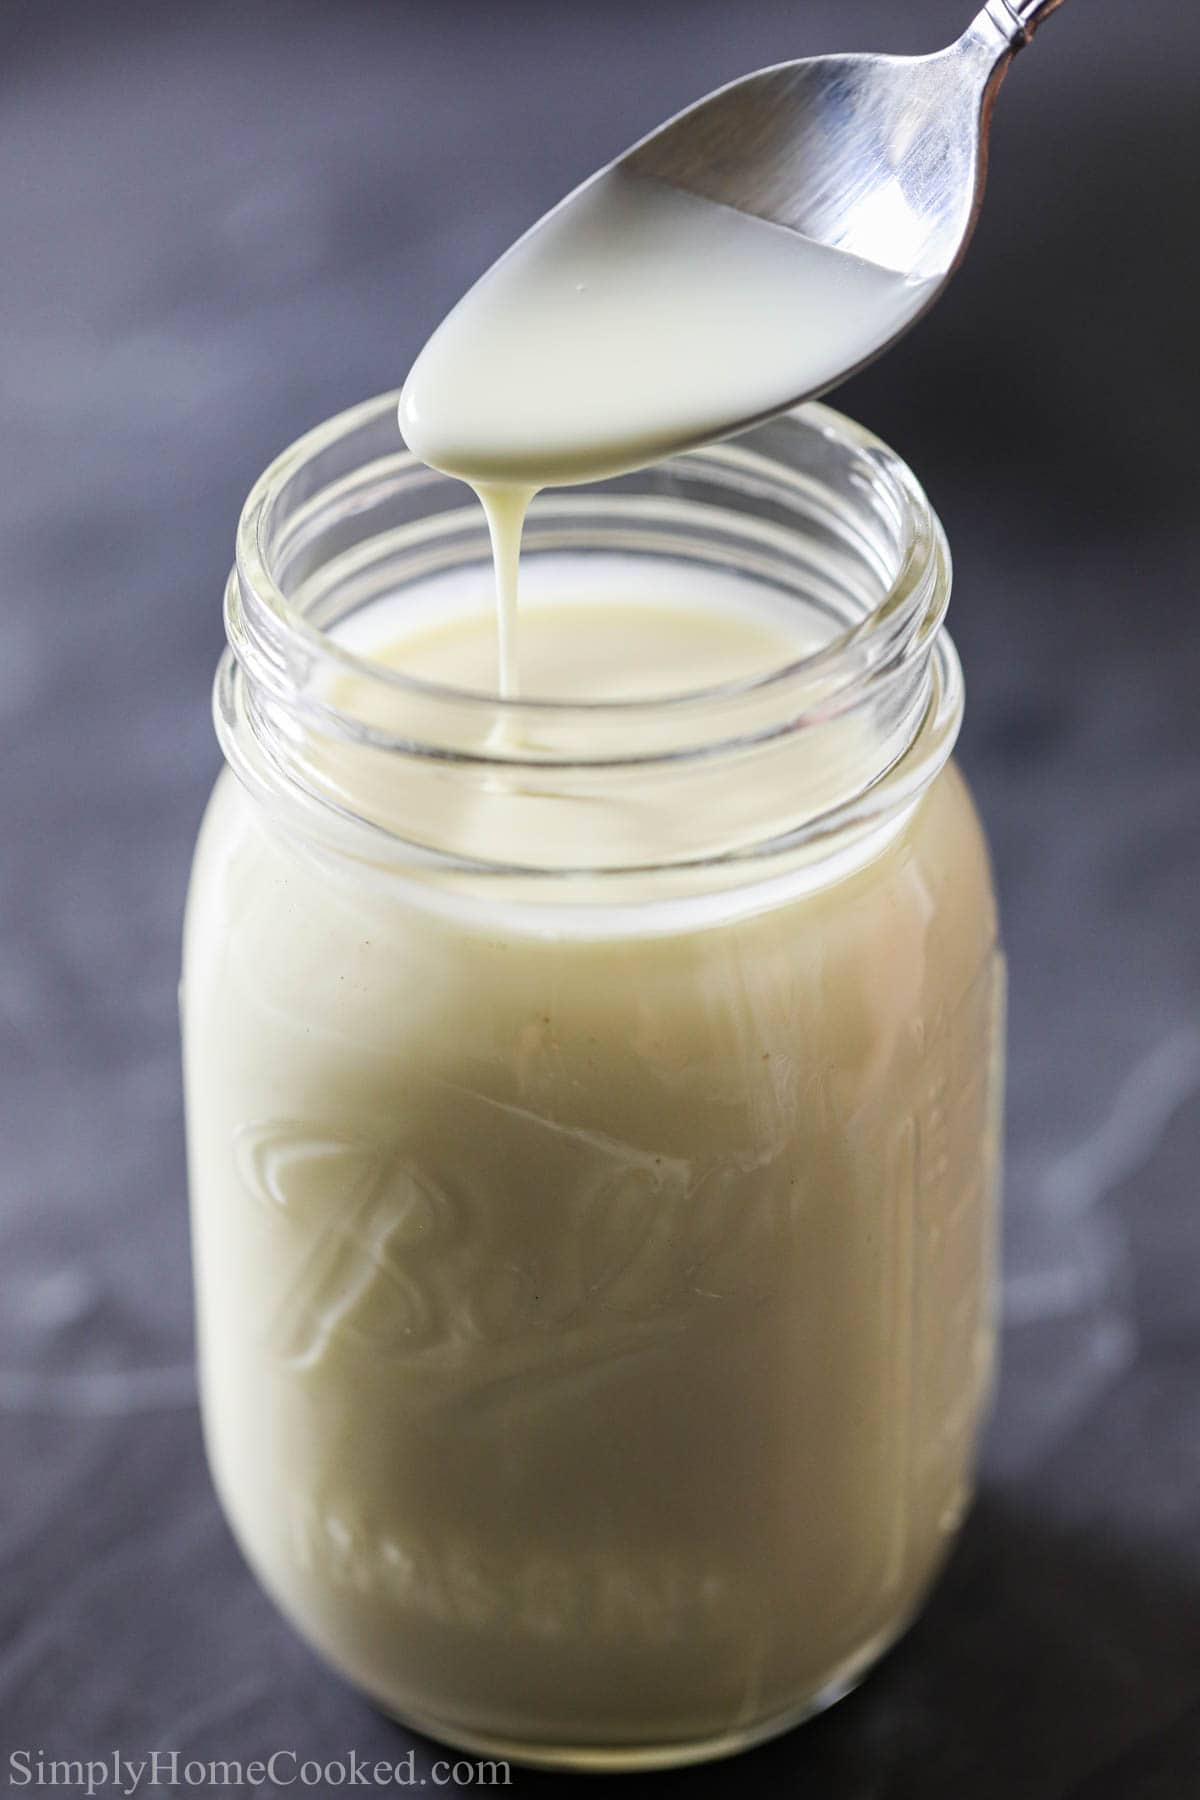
[595,1320]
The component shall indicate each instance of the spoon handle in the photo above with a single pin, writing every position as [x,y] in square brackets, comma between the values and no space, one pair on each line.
[1019,19]
[1032,12]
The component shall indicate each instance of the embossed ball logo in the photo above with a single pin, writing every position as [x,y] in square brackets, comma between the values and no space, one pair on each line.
[374,1251]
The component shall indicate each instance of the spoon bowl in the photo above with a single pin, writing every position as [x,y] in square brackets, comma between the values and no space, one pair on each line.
[749,254]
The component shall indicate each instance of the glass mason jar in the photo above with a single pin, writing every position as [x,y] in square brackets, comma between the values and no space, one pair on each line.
[594,1249]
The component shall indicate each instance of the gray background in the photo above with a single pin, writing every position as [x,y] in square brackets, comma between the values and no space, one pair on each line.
[218,224]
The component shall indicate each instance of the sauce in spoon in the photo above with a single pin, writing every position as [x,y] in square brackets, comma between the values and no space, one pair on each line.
[634,321]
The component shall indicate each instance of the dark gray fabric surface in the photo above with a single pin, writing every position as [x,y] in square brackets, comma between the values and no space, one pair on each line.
[220,223]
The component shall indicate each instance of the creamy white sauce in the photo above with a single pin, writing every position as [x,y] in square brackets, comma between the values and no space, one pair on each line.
[633,321]
[595,1325]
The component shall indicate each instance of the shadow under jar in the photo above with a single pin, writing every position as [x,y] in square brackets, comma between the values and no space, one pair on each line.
[593,1109]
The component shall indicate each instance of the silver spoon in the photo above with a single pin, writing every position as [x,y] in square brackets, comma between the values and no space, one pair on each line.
[881,156]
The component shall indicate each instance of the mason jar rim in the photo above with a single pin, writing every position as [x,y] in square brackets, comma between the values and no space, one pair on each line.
[260,614]
[831,748]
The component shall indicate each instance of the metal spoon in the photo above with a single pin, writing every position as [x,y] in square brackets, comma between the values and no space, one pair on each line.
[615,331]
[882,156]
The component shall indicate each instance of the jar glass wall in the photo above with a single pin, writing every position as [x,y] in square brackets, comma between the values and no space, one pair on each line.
[593,1110]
